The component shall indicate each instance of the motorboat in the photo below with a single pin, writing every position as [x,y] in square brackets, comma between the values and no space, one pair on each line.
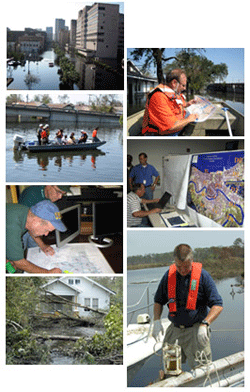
[34,146]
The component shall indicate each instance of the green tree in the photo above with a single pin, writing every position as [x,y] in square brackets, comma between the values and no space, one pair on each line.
[64,98]
[22,297]
[13,98]
[152,56]
[43,98]
[199,70]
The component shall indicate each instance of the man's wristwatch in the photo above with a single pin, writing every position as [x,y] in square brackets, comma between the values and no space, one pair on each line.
[205,322]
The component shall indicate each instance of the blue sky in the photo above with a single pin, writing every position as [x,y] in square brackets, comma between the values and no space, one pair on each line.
[48,12]
[233,57]
[154,241]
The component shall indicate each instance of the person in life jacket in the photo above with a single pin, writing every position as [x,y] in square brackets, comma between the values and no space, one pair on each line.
[94,135]
[189,291]
[165,107]
[45,134]
[39,131]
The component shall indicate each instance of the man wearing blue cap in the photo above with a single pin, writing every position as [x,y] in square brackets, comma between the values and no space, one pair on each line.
[33,195]
[39,220]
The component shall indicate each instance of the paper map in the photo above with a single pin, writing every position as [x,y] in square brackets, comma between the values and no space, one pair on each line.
[71,258]
[202,107]
[216,187]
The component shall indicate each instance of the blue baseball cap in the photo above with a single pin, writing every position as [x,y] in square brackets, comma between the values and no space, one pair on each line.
[49,211]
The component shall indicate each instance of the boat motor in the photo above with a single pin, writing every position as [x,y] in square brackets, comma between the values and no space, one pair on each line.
[171,358]
[18,141]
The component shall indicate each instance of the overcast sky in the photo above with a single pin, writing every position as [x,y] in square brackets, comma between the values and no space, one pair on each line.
[154,241]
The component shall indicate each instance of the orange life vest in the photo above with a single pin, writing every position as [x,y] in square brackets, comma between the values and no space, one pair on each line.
[178,101]
[193,287]
[44,135]
[94,133]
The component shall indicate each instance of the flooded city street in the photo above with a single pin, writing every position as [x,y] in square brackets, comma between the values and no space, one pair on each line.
[44,74]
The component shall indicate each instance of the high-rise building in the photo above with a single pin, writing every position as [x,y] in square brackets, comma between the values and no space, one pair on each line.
[73,23]
[98,30]
[49,31]
[59,25]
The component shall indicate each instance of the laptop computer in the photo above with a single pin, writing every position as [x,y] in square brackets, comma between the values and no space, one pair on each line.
[161,203]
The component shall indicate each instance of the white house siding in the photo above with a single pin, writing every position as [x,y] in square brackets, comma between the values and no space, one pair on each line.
[90,291]
[83,291]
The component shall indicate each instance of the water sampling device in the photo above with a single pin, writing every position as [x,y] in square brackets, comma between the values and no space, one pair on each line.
[171,354]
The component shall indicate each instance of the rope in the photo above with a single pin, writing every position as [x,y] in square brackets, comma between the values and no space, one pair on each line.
[201,358]
[137,303]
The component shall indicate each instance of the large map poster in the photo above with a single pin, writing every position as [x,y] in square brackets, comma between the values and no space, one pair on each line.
[216,187]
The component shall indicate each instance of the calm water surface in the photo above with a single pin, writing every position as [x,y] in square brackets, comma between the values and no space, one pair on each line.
[101,165]
[227,331]
[37,75]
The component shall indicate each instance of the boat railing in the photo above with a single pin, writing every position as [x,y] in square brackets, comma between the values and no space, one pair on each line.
[136,304]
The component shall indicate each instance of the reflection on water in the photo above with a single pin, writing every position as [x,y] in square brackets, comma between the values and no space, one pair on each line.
[39,75]
[103,164]
[43,159]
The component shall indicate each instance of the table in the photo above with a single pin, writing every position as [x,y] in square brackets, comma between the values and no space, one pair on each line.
[72,258]
[168,211]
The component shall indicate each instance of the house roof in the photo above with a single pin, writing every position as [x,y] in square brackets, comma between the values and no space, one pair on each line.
[35,104]
[99,285]
[61,105]
[59,280]
[134,72]
[73,287]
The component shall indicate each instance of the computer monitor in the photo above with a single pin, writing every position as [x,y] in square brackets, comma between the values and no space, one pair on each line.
[107,220]
[71,217]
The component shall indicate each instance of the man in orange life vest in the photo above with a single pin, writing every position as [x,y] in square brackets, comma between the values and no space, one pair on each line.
[165,107]
[94,135]
[189,291]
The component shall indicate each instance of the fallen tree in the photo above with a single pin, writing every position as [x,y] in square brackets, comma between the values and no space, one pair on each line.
[68,302]
[57,337]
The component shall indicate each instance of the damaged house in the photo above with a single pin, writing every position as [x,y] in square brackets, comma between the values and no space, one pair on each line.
[67,293]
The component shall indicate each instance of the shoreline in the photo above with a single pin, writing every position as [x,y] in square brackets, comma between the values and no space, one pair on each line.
[232,267]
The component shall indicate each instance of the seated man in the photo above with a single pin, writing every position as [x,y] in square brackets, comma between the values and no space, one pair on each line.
[165,107]
[83,138]
[59,136]
[39,220]
[135,214]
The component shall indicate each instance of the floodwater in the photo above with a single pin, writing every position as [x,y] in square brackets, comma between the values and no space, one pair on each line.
[38,75]
[58,350]
[35,75]
[227,331]
[104,164]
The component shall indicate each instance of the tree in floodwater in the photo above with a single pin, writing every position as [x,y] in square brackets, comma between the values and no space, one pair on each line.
[107,347]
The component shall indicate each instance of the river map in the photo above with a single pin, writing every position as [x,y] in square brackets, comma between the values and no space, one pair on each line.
[216,187]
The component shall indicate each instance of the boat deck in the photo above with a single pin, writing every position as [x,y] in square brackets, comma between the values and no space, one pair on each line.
[215,125]
[225,372]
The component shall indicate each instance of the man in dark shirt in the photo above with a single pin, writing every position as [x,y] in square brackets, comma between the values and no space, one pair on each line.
[189,291]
